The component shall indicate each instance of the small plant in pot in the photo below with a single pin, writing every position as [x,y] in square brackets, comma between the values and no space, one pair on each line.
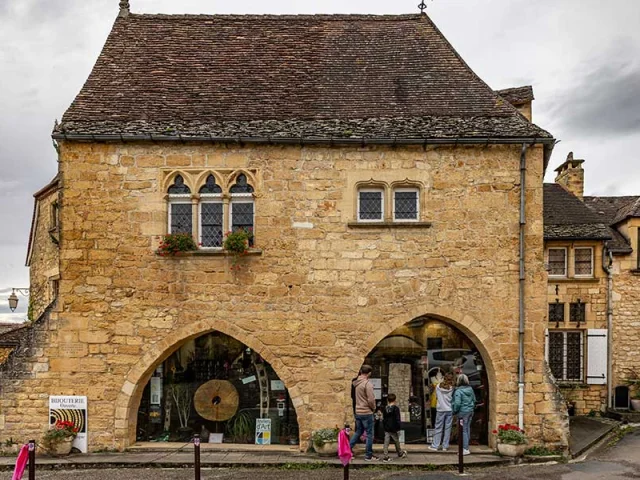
[237,244]
[512,442]
[325,441]
[59,438]
[176,243]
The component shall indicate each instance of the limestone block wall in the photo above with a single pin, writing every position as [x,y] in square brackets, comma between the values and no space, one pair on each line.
[45,255]
[317,299]
[626,312]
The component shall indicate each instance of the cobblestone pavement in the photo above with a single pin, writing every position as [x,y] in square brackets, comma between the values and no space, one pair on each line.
[617,463]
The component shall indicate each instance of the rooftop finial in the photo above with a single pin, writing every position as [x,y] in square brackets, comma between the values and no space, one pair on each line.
[422,6]
[124,8]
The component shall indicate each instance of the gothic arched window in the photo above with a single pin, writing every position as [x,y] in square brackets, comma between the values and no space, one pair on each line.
[180,207]
[241,214]
[211,214]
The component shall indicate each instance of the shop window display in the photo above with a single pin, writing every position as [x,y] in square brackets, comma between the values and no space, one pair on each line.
[411,360]
[217,387]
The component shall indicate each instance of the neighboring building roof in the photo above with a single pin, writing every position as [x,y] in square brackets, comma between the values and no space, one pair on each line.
[331,77]
[40,194]
[517,95]
[566,217]
[613,210]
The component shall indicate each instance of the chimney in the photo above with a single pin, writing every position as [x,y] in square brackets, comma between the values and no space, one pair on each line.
[571,176]
[124,8]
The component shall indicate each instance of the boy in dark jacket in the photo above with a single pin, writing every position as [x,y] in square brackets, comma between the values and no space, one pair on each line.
[391,424]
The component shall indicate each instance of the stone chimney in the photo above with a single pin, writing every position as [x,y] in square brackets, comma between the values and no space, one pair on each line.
[571,176]
[124,8]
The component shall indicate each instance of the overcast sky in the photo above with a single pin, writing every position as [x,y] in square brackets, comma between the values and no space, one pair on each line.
[581,56]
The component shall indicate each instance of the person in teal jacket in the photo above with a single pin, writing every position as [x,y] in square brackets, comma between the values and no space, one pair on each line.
[464,403]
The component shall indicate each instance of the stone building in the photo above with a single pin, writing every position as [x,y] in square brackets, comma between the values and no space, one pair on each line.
[591,246]
[396,208]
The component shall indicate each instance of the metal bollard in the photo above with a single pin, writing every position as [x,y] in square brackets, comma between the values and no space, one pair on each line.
[32,460]
[196,453]
[460,453]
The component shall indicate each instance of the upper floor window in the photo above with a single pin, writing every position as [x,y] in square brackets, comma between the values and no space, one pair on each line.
[222,204]
[371,205]
[577,312]
[406,206]
[583,262]
[558,262]
[54,215]
[556,312]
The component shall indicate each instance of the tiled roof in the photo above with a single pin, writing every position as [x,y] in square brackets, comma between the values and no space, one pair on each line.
[613,210]
[568,218]
[517,95]
[311,76]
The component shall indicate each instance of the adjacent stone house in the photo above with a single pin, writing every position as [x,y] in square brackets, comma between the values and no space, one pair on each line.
[396,208]
[591,254]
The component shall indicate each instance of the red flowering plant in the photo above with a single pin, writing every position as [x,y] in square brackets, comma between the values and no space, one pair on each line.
[237,244]
[60,431]
[510,434]
[174,243]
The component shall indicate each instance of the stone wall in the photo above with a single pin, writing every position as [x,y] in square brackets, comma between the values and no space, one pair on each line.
[626,310]
[318,296]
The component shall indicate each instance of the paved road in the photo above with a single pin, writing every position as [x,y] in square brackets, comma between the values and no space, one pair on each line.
[621,462]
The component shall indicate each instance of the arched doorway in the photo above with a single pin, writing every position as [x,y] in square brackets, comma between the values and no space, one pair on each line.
[218,387]
[412,358]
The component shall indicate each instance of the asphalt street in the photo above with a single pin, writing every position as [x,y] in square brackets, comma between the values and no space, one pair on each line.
[619,462]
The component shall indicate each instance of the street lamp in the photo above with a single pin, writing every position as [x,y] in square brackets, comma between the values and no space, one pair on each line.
[13,298]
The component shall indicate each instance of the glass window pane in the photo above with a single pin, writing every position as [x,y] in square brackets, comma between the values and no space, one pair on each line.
[577,312]
[181,218]
[370,206]
[556,354]
[242,217]
[583,261]
[178,186]
[574,356]
[556,312]
[241,185]
[406,205]
[210,186]
[557,261]
[211,220]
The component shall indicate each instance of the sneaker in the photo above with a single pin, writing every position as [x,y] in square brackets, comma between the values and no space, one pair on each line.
[431,447]
[386,459]
[466,452]
[403,454]
[369,459]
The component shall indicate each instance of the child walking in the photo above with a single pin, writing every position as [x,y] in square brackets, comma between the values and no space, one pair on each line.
[391,424]
[444,417]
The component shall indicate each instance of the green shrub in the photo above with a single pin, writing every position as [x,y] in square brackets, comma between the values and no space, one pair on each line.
[174,243]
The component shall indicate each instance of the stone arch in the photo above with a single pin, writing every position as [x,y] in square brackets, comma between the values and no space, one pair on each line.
[128,399]
[170,178]
[251,179]
[467,324]
[202,178]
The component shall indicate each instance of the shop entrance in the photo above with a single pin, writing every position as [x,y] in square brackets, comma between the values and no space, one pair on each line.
[219,388]
[412,359]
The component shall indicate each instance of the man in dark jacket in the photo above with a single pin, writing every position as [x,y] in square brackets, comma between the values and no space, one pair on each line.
[365,405]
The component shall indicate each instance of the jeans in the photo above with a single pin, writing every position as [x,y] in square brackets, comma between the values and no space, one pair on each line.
[392,436]
[364,423]
[443,426]
[466,428]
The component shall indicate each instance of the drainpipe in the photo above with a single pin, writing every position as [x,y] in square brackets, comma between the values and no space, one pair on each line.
[607,265]
[523,176]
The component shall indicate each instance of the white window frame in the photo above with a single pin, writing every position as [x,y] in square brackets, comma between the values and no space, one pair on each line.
[565,262]
[182,198]
[564,354]
[407,189]
[382,201]
[210,198]
[242,198]
[589,275]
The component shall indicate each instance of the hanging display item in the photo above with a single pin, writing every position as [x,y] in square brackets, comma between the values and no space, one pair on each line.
[217,400]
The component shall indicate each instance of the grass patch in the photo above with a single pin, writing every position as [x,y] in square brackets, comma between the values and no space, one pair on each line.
[619,435]
[540,451]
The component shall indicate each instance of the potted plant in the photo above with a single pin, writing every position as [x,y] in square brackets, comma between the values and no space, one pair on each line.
[237,244]
[241,427]
[59,438]
[512,441]
[635,400]
[182,395]
[175,243]
[325,441]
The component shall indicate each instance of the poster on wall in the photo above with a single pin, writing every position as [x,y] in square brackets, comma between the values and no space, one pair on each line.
[263,431]
[71,409]
[377,387]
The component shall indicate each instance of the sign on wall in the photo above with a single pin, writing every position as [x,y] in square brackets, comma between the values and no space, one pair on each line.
[263,431]
[71,409]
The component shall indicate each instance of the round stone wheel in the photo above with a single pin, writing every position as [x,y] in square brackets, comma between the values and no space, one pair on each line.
[216,400]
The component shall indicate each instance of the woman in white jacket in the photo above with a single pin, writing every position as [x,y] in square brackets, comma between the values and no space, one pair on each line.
[444,416]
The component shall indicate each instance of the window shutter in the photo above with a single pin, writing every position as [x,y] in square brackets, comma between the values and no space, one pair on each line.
[597,356]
